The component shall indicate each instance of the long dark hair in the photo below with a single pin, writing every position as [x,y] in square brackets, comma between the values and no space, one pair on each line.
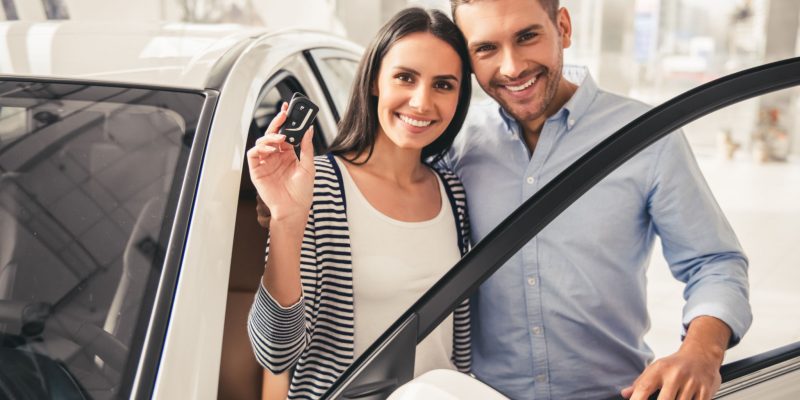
[359,125]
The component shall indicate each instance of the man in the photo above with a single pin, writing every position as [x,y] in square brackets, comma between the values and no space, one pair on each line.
[566,316]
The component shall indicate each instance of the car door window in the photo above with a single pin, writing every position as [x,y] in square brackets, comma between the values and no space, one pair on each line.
[89,185]
[337,70]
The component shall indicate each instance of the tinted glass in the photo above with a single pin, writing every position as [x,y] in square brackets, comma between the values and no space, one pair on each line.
[338,74]
[89,179]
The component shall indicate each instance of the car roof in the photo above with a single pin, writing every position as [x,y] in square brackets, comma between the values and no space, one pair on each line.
[144,53]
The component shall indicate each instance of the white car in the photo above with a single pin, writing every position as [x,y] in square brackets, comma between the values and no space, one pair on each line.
[127,220]
[129,248]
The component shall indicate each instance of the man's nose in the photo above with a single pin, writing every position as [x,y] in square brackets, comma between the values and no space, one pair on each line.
[420,98]
[511,65]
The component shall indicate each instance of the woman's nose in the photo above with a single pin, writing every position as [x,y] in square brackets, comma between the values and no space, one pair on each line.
[420,99]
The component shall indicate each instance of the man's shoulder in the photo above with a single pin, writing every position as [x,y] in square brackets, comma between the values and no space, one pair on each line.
[607,102]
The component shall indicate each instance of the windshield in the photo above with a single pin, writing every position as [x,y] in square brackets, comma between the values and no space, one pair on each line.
[89,179]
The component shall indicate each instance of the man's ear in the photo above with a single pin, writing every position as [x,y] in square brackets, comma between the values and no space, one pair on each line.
[564,24]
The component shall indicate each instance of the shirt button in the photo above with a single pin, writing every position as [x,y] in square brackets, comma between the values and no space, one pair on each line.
[571,122]
[532,281]
[530,180]
[536,330]
[541,378]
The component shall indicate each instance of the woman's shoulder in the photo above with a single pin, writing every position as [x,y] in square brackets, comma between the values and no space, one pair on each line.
[327,175]
[448,176]
[326,167]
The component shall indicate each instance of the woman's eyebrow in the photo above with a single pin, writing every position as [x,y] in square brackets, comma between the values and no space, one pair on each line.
[416,73]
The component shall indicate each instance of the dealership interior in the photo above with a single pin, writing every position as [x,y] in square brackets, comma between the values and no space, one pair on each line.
[649,50]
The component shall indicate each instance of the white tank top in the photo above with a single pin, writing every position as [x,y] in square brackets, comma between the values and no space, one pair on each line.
[394,263]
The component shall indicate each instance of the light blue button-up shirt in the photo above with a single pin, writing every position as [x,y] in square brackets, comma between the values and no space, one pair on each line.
[566,316]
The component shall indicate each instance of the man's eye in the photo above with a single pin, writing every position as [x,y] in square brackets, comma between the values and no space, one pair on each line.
[526,36]
[485,48]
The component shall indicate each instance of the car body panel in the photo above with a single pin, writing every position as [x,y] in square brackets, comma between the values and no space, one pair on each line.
[159,54]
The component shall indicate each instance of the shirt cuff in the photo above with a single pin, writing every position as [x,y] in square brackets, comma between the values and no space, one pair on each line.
[736,316]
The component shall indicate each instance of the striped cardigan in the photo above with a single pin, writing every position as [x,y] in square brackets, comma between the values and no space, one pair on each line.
[315,335]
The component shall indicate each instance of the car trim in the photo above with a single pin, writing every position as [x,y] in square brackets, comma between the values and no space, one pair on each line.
[89,82]
[544,206]
[143,383]
[753,370]
[218,74]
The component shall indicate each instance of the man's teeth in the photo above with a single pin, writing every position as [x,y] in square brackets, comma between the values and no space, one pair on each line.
[523,86]
[414,122]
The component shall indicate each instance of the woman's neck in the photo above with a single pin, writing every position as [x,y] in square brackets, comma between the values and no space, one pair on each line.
[394,164]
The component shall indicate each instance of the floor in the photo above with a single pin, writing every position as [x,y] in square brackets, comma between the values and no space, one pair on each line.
[762,203]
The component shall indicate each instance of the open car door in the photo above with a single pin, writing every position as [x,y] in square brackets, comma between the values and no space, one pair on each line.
[389,362]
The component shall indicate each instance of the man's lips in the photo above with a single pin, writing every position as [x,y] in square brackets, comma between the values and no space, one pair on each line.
[523,86]
[520,85]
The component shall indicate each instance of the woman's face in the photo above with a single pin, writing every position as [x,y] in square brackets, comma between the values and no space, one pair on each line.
[417,89]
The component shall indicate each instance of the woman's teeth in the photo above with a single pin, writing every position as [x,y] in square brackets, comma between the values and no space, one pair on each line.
[414,122]
[523,86]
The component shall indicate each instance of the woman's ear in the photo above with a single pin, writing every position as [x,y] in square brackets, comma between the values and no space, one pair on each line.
[373,88]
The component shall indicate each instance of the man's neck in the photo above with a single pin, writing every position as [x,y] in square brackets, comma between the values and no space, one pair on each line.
[532,129]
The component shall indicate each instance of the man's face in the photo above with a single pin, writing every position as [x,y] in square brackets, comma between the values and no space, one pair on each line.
[516,52]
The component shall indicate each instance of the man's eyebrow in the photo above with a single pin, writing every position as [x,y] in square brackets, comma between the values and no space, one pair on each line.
[527,29]
[416,73]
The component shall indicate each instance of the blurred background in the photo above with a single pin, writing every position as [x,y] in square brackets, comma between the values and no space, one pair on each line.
[650,50]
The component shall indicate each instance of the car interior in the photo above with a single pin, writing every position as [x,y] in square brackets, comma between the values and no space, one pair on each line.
[240,375]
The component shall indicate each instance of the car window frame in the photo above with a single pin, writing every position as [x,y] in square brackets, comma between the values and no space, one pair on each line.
[384,366]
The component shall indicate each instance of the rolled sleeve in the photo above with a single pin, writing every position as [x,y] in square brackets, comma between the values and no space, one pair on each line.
[723,303]
[277,333]
[698,242]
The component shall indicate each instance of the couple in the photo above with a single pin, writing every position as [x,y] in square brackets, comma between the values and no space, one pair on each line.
[359,234]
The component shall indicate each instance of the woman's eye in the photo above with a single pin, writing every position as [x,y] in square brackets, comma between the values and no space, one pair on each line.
[444,85]
[404,78]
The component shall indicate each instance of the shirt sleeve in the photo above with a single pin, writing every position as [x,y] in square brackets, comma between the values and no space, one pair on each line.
[278,334]
[698,242]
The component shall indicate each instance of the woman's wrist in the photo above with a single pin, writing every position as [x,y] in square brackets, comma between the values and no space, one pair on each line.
[288,222]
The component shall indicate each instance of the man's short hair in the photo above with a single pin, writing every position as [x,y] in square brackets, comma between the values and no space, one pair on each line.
[550,7]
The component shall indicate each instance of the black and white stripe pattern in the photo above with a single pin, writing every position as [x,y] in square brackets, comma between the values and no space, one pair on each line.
[315,335]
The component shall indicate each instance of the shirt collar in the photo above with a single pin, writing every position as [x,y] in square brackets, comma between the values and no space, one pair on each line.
[577,104]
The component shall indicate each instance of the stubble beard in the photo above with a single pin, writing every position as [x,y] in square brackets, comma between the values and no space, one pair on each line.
[520,112]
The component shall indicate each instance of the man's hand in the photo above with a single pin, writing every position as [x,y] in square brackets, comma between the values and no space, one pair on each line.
[690,373]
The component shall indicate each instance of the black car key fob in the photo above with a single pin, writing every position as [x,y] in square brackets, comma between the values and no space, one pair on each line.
[299,117]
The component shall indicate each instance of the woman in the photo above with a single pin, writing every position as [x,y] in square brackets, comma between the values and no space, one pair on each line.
[358,235]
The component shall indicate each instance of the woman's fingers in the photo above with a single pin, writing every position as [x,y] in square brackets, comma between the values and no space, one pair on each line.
[270,139]
[279,119]
[307,149]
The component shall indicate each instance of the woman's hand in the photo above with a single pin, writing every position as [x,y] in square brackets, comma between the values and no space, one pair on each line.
[285,184]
